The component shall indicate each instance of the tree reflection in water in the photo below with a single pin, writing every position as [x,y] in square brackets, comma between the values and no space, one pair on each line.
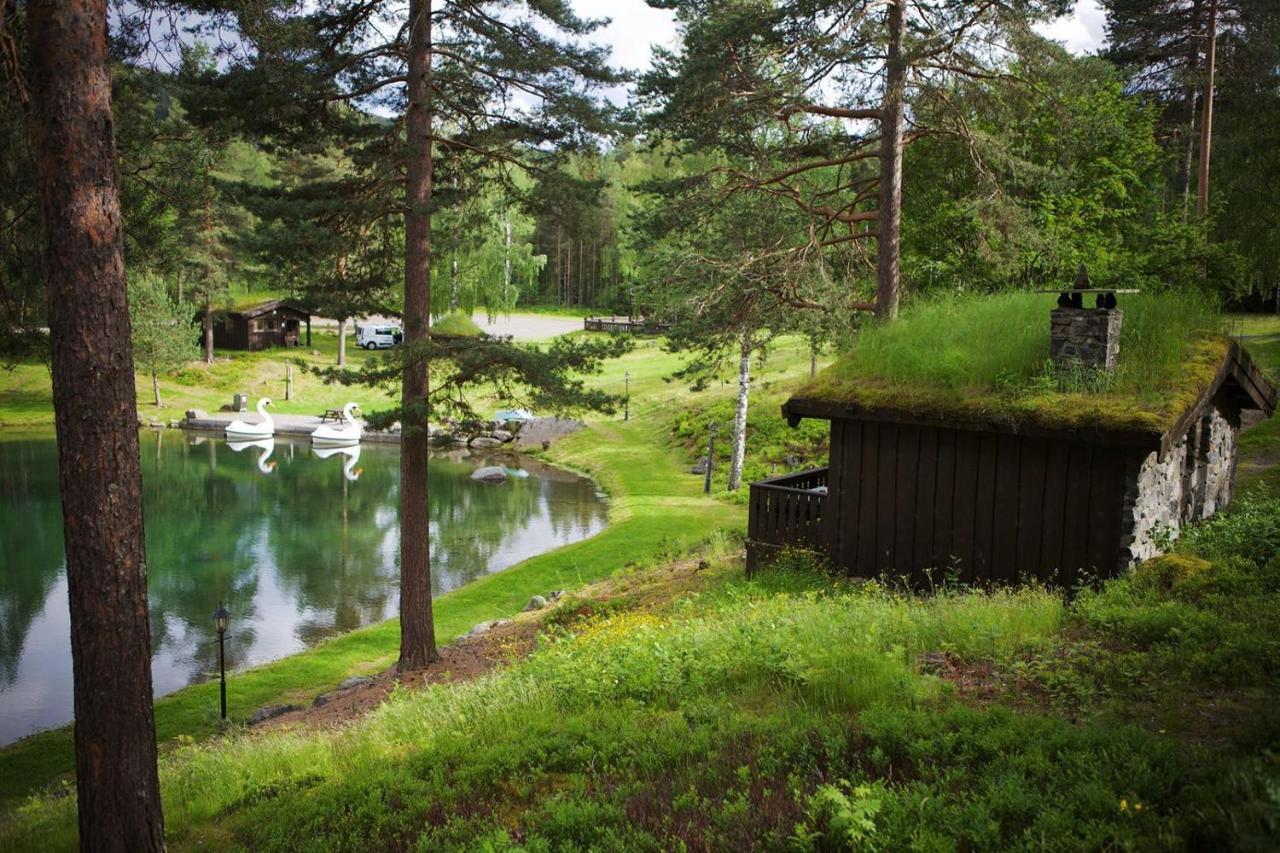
[298,551]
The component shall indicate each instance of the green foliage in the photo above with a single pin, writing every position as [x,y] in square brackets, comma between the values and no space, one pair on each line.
[163,332]
[772,446]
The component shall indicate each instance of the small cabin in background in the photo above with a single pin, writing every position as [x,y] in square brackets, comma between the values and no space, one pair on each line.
[919,494]
[276,323]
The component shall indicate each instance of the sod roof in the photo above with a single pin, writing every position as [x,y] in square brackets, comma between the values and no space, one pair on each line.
[984,363]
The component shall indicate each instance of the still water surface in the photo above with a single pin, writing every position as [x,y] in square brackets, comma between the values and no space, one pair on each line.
[299,547]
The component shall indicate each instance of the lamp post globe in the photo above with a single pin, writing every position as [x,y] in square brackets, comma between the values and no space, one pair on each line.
[220,618]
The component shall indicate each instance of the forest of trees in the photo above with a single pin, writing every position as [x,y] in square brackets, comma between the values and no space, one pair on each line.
[793,166]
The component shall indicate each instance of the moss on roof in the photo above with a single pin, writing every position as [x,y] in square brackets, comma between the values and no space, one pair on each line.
[456,325]
[986,359]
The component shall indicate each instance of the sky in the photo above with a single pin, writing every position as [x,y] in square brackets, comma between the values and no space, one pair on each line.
[635,27]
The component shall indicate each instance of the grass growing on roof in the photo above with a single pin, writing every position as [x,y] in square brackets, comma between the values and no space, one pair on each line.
[987,357]
[456,325]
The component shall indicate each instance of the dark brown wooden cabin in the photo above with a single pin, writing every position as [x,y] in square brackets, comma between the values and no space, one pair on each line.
[919,498]
[270,324]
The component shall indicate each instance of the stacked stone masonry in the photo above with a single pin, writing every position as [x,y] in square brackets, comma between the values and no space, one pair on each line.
[1088,337]
[1192,481]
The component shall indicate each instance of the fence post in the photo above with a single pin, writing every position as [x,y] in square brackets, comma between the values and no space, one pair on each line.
[711,456]
[288,380]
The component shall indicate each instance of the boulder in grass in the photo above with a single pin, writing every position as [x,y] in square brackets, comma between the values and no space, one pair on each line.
[536,603]
[484,441]
[490,474]
[355,681]
[270,712]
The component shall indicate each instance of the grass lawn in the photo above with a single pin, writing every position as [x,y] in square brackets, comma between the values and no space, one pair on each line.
[791,712]
[26,391]
[657,509]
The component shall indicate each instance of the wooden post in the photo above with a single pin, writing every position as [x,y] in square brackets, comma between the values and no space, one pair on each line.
[711,457]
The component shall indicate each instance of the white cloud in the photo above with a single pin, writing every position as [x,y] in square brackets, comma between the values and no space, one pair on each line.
[1083,31]
[634,27]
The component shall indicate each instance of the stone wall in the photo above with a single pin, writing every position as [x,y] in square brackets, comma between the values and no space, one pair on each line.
[1085,336]
[1191,482]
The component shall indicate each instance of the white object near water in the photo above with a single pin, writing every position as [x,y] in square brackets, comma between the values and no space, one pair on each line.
[245,431]
[344,434]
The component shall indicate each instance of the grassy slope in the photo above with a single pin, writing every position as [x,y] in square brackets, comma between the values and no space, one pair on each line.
[656,508]
[790,712]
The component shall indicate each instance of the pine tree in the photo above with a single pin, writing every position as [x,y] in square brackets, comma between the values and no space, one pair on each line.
[796,87]
[494,86]
[118,792]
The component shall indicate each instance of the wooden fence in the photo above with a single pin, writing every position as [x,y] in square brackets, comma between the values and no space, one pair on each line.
[786,512]
[623,325]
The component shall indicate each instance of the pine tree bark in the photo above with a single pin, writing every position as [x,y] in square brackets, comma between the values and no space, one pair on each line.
[342,342]
[740,417]
[118,792]
[889,222]
[1206,119]
[417,628]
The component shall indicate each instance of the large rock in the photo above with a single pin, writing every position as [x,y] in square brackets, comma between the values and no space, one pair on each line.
[502,435]
[270,712]
[484,441]
[486,627]
[490,474]
[355,681]
[536,603]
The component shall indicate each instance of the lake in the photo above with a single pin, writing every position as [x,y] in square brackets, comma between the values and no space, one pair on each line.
[298,547]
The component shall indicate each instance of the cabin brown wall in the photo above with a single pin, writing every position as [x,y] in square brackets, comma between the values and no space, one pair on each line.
[916,501]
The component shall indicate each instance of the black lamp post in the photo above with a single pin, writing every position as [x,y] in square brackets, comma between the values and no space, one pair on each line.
[626,401]
[220,617]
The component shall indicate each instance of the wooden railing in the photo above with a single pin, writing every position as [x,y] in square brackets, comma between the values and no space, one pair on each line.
[786,511]
[623,325]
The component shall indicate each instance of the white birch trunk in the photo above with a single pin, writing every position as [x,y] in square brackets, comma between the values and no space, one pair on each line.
[740,419]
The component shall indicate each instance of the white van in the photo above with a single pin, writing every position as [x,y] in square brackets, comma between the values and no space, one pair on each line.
[378,337]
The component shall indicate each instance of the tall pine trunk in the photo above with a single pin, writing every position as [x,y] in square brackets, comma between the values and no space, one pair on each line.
[342,342]
[417,629]
[1206,119]
[740,417]
[890,215]
[118,792]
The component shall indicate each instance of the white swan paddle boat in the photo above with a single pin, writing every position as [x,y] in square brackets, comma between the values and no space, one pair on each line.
[241,431]
[266,444]
[344,434]
[349,470]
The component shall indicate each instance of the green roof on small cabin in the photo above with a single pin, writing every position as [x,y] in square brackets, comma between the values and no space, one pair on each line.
[983,361]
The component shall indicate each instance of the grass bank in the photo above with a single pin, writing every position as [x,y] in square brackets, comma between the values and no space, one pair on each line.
[656,509]
[791,711]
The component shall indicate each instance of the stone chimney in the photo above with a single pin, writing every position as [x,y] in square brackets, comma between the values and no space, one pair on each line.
[1085,337]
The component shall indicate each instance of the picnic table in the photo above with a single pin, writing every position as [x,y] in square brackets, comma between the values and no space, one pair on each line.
[332,415]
